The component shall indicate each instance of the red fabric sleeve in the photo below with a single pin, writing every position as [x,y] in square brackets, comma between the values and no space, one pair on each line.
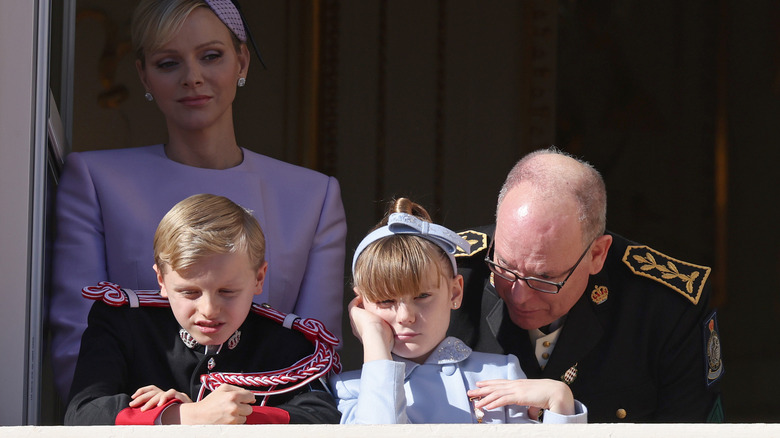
[268,415]
[130,416]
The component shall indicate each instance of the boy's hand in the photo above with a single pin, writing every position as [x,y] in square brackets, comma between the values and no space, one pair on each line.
[151,396]
[228,404]
[375,334]
[538,394]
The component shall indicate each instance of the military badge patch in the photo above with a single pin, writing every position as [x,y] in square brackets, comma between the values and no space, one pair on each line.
[570,375]
[233,341]
[599,294]
[686,278]
[712,349]
[477,240]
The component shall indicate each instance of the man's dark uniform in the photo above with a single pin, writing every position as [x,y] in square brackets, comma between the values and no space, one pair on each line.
[640,345]
[126,348]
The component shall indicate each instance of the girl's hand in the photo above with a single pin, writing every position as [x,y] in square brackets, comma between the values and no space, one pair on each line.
[151,396]
[376,335]
[537,394]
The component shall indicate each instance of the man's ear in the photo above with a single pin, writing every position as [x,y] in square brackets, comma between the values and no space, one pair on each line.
[261,271]
[160,282]
[598,253]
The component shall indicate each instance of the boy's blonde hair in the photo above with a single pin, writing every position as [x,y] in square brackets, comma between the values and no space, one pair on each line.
[155,22]
[204,225]
[396,266]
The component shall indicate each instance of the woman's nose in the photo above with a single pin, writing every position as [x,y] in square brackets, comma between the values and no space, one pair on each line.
[193,76]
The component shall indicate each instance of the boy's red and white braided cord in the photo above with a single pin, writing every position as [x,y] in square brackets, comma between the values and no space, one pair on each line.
[323,360]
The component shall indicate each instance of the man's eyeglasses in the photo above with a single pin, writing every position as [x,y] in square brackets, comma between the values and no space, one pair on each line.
[546,286]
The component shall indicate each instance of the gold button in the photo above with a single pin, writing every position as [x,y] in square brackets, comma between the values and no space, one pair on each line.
[546,344]
[545,356]
[621,413]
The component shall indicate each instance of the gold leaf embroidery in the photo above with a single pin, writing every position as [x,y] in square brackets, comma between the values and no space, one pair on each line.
[668,272]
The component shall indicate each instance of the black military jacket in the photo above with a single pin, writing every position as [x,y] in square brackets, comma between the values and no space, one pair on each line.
[126,348]
[640,345]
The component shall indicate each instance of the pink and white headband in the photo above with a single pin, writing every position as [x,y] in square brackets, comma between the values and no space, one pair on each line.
[228,13]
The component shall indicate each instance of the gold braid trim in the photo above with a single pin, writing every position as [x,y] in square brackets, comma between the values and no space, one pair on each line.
[476,239]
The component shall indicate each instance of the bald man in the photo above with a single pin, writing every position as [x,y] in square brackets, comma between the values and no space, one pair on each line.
[627,327]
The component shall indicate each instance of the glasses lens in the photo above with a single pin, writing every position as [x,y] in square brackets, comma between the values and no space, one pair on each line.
[501,272]
[542,286]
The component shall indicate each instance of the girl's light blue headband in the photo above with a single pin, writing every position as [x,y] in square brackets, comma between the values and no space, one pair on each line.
[403,223]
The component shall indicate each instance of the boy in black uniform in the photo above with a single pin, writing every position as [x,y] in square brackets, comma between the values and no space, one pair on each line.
[154,365]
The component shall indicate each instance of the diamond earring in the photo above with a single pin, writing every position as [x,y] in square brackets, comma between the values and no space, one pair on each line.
[241,82]
[148,96]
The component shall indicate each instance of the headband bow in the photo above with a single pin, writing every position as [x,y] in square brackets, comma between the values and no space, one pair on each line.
[403,223]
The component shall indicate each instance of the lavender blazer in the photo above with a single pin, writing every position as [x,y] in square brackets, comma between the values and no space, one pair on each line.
[110,202]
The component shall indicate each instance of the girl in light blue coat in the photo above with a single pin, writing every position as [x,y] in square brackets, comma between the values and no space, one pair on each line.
[406,282]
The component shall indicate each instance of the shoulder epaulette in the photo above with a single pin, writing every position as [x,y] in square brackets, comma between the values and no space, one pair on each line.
[686,278]
[478,241]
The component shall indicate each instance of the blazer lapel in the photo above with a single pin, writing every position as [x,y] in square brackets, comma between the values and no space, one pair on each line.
[581,332]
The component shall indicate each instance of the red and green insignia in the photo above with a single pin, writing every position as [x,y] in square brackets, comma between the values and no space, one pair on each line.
[686,278]
[478,241]
[570,375]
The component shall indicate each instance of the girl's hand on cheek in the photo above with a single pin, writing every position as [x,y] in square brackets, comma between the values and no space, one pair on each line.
[375,334]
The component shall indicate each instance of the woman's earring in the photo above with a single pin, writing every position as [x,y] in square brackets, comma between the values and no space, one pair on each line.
[455,305]
[149,96]
[241,82]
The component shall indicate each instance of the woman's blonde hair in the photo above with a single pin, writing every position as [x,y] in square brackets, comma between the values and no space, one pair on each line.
[156,22]
[396,266]
[204,225]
